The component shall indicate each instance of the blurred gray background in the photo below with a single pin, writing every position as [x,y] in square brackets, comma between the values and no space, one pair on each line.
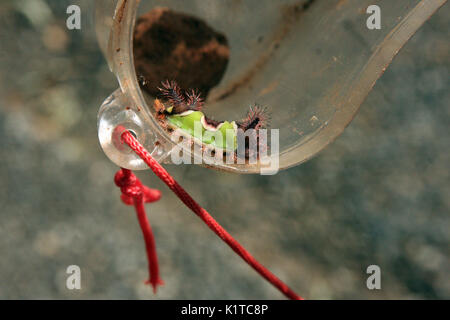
[380,194]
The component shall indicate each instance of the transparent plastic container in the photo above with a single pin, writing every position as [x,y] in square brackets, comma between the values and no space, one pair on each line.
[313,68]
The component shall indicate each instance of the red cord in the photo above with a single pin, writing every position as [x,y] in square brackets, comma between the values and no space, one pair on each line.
[134,193]
[132,142]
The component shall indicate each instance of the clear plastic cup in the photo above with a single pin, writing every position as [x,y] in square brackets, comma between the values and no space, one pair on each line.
[313,68]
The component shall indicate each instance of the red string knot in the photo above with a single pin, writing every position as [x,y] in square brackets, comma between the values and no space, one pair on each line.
[132,188]
[136,194]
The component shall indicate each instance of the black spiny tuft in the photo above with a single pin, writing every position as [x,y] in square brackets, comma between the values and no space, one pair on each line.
[257,118]
[194,100]
[171,92]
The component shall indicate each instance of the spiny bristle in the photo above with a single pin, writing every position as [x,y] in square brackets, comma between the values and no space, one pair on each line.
[171,92]
[257,118]
[194,100]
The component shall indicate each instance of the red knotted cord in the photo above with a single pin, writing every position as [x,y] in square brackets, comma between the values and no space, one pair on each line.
[134,193]
[133,189]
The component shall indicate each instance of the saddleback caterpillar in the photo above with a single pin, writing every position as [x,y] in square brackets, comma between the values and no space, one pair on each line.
[182,112]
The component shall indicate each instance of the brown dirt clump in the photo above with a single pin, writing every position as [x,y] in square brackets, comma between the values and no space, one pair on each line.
[175,46]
